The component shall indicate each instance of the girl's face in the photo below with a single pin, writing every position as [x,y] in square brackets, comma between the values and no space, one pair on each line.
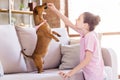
[80,23]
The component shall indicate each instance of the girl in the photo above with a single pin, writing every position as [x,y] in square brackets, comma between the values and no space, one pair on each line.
[91,61]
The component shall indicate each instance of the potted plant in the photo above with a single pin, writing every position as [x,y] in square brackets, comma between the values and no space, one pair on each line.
[21,6]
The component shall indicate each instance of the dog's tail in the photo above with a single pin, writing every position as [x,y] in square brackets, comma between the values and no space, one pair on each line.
[22,51]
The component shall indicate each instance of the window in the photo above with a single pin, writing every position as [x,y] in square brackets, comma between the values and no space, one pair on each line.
[108,10]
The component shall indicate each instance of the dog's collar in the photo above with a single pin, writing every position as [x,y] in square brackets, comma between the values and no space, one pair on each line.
[36,27]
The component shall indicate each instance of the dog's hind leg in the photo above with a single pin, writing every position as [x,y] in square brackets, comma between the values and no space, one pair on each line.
[39,63]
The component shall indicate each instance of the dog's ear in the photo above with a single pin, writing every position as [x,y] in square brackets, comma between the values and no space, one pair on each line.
[35,11]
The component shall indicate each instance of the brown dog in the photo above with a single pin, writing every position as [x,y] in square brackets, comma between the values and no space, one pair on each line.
[44,35]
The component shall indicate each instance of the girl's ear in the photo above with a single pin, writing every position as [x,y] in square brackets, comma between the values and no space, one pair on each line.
[86,25]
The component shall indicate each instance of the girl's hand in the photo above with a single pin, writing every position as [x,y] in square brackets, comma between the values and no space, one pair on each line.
[51,6]
[66,75]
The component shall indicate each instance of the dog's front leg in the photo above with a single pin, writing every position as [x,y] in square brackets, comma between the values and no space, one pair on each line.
[56,33]
[52,36]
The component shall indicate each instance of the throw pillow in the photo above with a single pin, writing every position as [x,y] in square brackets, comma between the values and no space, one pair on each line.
[28,39]
[70,56]
[1,70]
[10,50]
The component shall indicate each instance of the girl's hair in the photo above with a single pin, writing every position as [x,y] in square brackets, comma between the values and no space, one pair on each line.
[91,19]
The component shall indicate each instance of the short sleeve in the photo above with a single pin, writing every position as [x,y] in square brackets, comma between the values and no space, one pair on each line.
[90,42]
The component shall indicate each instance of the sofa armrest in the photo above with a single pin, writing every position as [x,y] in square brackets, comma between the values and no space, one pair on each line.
[110,59]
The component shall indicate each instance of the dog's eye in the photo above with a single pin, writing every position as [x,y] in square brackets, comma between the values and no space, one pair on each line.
[45,7]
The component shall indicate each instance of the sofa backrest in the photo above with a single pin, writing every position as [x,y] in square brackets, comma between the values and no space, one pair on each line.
[10,56]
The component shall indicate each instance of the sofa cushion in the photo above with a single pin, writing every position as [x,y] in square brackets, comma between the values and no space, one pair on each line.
[51,74]
[70,56]
[10,50]
[28,39]
[1,69]
[108,73]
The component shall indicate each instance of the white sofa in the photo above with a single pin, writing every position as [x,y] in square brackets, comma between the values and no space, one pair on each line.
[61,56]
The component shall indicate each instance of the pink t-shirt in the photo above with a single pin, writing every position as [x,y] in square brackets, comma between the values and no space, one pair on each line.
[94,70]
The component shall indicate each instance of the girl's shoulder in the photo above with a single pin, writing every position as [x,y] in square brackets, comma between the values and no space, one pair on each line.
[92,33]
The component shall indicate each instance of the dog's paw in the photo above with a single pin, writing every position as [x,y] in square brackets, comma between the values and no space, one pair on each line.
[58,35]
[40,71]
[57,40]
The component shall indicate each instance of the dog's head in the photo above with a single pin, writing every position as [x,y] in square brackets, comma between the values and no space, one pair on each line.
[38,10]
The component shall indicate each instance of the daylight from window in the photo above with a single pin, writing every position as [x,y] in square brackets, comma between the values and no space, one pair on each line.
[109,11]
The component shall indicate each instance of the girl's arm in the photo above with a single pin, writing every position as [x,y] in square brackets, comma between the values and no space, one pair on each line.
[87,59]
[63,17]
